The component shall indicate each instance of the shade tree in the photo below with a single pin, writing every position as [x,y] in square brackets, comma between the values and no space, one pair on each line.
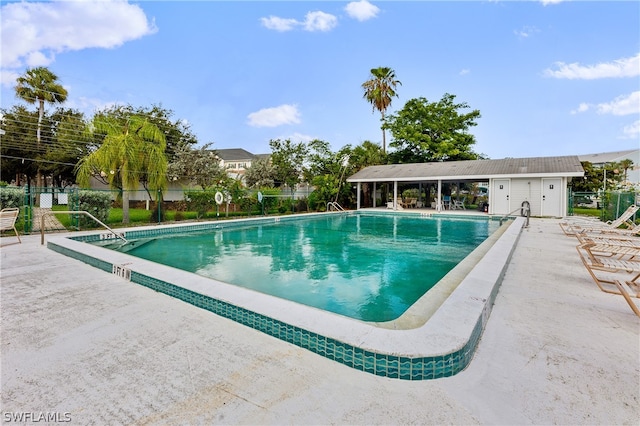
[426,131]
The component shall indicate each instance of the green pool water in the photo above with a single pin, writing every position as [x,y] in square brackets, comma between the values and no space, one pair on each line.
[367,267]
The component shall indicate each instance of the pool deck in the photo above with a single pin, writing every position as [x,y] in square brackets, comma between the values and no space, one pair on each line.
[82,343]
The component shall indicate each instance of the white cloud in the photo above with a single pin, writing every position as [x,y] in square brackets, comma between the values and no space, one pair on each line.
[299,137]
[583,107]
[32,33]
[526,32]
[622,105]
[464,71]
[632,131]
[8,77]
[88,105]
[361,10]
[548,2]
[279,24]
[38,59]
[313,21]
[626,67]
[320,21]
[276,116]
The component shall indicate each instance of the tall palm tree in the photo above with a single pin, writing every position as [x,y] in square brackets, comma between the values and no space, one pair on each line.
[132,150]
[40,85]
[379,90]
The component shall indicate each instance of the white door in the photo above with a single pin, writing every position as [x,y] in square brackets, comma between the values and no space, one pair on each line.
[552,197]
[500,196]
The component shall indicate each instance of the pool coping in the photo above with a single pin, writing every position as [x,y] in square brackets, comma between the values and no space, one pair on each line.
[441,347]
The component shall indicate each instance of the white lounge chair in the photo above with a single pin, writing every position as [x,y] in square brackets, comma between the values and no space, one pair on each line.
[617,262]
[8,219]
[572,227]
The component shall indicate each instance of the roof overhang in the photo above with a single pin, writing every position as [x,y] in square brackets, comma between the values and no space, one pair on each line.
[474,178]
[472,170]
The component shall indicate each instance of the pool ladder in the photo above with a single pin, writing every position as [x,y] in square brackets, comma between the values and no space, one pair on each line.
[334,206]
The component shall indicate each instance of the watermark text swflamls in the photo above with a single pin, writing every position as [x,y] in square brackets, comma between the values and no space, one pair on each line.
[36,416]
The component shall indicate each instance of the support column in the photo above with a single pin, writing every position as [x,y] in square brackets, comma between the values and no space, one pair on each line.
[395,195]
[439,196]
[358,197]
[374,194]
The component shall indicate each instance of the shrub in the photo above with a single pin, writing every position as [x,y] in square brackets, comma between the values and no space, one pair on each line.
[302,205]
[94,202]
[411,193]
[249,204]
[11,197]
[158,216]
[269,200]
[200,201]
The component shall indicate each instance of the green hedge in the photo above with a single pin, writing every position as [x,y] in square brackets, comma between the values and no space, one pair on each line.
[200,201]
[94,202]
[11,197]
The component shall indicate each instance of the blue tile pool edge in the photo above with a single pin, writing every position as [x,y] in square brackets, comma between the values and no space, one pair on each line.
[370,361]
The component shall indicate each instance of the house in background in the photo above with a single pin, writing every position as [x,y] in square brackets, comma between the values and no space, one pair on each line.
[236,161]
[599,160]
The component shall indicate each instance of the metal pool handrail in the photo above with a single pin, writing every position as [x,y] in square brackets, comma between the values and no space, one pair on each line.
[75,212]
[525,211]
[335,205]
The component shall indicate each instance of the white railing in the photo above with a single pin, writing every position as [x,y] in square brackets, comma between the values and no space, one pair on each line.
[75,212]
[334,206]
[525,211]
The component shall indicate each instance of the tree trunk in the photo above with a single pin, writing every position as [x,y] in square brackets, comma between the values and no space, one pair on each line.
[40,115]
[384,138]
[366,195]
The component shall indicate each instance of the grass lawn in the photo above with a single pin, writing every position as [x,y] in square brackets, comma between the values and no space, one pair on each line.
[580,211]
[143,217]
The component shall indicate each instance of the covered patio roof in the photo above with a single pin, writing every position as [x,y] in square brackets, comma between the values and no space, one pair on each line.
[478,170]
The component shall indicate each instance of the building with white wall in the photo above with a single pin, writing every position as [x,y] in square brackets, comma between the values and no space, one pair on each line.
[601,159]
[541,181]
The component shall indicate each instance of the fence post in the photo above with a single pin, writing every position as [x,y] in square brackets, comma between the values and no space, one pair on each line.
[570,203]
[27,209]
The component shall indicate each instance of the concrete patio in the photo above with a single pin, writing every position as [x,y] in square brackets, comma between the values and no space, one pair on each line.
[93,348]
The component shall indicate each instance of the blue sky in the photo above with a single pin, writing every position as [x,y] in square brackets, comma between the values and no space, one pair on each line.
[549,77]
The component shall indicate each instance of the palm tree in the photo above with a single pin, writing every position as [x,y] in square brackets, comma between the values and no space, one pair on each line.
[379,90]
[626,164]
[132,150]
[40,85]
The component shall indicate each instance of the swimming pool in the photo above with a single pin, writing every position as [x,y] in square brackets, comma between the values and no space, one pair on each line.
[369,267]
[430,340]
